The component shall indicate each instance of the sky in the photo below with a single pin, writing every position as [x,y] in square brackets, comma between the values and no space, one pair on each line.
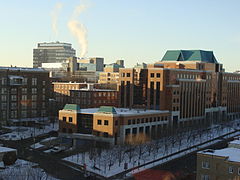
[134,30]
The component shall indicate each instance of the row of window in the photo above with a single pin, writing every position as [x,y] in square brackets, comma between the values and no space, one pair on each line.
[14,114]
[99,122]
[23,90]
[192,76]
[146,120]
[126,74]
[23,97]
[70,119]
[24,81]
[152,75]
[206,165]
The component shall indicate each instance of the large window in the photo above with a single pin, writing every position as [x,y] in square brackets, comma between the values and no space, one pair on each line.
[230,169]
[34,81]
[204,177]
[70,119]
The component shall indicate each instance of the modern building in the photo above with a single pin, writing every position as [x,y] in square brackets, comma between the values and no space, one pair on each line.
[219,164]
[24,93]
[191,84]
[116,125]
[99,62]
[53,52]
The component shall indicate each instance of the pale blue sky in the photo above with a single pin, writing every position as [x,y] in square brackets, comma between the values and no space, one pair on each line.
[134,30]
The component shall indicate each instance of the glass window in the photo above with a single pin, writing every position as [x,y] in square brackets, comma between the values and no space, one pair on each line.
[158,75]
[70,119]
[152,75]
[106,122]
[64,119]
[34,81]
[230,169]
[99,122]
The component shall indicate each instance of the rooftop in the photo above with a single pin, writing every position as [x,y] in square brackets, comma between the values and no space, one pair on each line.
[232,154]
[189,55]
[98,90]
[72,107]
[26,69]
[119,111]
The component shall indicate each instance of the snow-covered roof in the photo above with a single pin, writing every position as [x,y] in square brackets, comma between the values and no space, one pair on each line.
[6,149]
[124,111]
[232,154]
[237,141]
[86,89]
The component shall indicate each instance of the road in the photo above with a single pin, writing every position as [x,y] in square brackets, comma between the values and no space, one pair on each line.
[51,164]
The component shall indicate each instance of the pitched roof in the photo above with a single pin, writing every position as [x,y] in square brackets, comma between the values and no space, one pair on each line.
[189,55]
[107,109]
[72,107]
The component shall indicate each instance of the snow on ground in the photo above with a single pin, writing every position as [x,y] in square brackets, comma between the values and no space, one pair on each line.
[113,161]
[23,170]
[20,132]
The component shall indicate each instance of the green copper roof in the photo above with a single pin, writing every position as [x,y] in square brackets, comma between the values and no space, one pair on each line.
[72,107]
[107,109]
[189,55]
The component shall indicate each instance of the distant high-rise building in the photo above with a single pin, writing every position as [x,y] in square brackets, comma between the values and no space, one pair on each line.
[53,52]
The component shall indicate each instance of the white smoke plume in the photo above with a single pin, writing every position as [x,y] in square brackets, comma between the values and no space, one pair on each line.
[78,29]
[55,13]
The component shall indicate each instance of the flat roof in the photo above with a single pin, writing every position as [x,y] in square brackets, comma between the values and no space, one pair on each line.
[22,69]
[232,154]
[6,149]
[122,111]
[85,89]
[237,141]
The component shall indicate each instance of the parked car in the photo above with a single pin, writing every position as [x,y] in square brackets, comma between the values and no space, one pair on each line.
[58,149]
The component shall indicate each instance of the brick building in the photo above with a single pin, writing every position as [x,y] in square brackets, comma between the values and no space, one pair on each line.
[24,93]
[192,85]
[119,125]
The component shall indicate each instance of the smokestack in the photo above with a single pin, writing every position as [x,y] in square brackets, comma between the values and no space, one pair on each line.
[79,30]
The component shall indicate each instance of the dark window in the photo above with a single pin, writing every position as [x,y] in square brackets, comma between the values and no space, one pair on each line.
[116,122]
[128,74]
[99,122]
[138,121]
[134,121]
[64,119]
[154,119]
[129,122]
[70,119]
[141,130]
[152,75]
[106,122]
[150,119]
[134,131]
[146,120]
[127,132]
[158,75]
[123,74]
[142,120]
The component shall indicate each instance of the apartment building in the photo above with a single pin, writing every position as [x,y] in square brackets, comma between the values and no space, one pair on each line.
[219,164]
[24,93]
[191,84]
[119,125]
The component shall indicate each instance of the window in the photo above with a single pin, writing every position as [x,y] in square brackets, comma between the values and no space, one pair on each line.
[134,121]
[44,83]
[152,75]
[205,177]
[123,74]
[129,122]
[34,97]
[4,98]
[25,81]
[3,91]
[24,97]
[34,81]
[99,122]
[116,122]
[64,119]
[13,114]
[238,171]
[70,119]
[34,90]
[205,165]
[230,169]
[13,97]
[128,74]
[106,122]
[24,90]
[34,105]
[158,75]
[24,114]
